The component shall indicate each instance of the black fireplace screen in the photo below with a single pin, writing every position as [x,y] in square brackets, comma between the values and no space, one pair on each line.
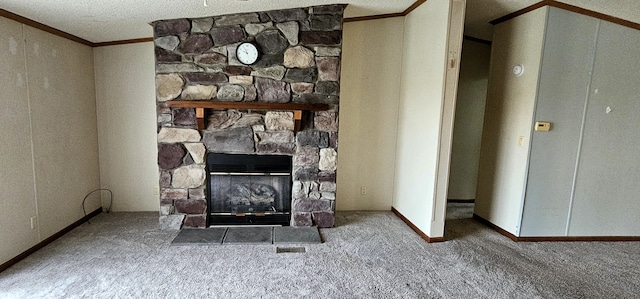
[240,193]
[249,189]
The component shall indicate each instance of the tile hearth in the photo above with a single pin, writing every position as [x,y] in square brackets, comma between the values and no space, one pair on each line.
[280,235]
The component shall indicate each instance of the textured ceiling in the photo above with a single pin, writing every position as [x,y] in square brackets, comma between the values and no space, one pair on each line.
[111,20]
[480,12]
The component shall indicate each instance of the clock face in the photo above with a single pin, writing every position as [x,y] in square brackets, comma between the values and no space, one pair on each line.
[247,53]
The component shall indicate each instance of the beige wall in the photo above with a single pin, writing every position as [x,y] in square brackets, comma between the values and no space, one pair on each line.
[18,202]
[125,96]
[52,166]
[509,115]
[370,87]
[469,119]
[421,103]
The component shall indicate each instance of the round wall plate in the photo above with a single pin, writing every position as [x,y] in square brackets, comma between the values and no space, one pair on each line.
[518,70]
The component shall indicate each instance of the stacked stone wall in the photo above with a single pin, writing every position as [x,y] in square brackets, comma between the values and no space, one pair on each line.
[299,63]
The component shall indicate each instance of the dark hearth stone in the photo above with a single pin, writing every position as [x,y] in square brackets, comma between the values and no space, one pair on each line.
[280,16]
[325,176]
[296,235]
[272,91]
[211,59]
[165,56]
[324,219]
[326,38]
[184,116]
[209,236]
[196,44]
[272,42]
[206,78]
[313,138]
[196,221]
[309,75]
[306,174]
[235,140]
[302,219]
[326,22]
[165,179]
[191,206]
[328,87]
[237,70]
[269,60]
[225,35]
[172,27]
[276,148]
[170,155]
[248,235]
[328,9]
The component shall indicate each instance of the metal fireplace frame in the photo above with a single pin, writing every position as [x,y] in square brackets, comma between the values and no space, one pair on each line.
[248,165]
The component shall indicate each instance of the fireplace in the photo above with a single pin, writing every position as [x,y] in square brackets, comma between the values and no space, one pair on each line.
[299,64]
[248,189]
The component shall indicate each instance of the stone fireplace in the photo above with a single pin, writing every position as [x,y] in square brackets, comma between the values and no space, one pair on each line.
[299,63]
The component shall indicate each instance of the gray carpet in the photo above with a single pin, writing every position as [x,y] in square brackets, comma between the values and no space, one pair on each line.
[369,255]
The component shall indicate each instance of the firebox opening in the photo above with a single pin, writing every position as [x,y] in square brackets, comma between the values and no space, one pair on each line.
[248,189]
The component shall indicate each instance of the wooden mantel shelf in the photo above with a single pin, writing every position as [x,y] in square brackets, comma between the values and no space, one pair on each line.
[201,105]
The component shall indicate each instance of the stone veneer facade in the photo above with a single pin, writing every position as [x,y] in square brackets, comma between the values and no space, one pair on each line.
[299,63]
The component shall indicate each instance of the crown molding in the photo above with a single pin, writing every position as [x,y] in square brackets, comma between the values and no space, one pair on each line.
[43,27]
[568,7]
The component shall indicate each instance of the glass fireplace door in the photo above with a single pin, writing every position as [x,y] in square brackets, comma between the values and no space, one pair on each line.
[249,193]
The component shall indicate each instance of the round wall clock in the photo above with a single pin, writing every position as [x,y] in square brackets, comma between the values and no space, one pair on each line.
[247,53]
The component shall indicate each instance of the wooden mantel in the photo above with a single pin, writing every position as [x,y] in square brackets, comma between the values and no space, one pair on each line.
[203,104]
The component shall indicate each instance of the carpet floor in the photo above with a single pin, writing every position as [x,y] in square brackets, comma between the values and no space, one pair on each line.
[368,255]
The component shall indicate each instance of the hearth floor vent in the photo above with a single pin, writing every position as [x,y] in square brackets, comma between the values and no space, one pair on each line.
[291,250]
